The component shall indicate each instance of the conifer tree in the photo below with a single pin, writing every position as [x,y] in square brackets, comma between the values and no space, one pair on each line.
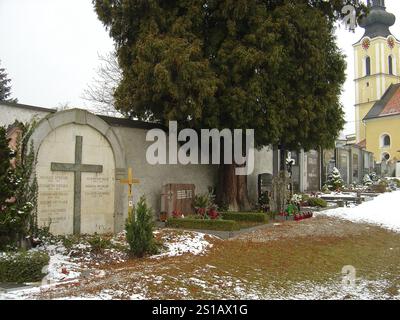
[18,188]
[6,154]
[139,230]
[335,181]
[7,187]
[5,87]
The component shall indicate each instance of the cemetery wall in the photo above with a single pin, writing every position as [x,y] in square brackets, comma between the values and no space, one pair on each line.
[10,112]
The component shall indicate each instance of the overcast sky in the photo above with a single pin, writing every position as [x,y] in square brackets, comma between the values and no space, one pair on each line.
[50,50]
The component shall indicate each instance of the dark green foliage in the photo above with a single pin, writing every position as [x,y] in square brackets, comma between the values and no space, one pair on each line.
[5,88]
[317,202]
[6,186]
[269,65]
[18,217]
[99,243]
[23,267]
[197,224]
[245,216]
[139,230]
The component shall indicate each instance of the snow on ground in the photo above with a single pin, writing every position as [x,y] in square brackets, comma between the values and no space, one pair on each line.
[339,195]
[382,211]
[330,290]
[70,266]
[187,242]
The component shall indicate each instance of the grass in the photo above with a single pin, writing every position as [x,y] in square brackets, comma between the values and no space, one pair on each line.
[258,267]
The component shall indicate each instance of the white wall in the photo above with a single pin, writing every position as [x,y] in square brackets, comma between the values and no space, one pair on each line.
[8,114]
[154,177]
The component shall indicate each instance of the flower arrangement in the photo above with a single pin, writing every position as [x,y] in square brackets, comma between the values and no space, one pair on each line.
[303,216]
[176,214]
[205,208]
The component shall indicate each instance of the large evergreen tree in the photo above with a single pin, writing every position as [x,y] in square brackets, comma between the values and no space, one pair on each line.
[272,66]
[5,87]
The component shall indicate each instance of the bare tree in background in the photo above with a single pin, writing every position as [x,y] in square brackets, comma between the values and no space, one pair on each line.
[100,94]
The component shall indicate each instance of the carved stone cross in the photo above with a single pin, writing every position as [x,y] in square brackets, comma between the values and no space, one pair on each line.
[77,168]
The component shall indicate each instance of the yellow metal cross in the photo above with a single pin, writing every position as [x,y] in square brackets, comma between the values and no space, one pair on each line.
[130,181]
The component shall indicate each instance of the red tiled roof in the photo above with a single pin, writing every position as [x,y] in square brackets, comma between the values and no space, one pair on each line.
[362,144]
[393,106]
[388,105]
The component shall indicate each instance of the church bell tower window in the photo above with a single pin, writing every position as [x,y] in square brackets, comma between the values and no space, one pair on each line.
[390,65]
[367,66]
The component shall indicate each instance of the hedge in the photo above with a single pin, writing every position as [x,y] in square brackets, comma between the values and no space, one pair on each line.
[197,224]
[22,267]
[245,216]
[317,202]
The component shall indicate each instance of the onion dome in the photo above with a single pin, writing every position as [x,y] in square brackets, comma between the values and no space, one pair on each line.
[378,21]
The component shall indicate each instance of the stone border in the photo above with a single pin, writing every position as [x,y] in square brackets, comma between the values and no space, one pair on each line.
[223,235]
[83,117]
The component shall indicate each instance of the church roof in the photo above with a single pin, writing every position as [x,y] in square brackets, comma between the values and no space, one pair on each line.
[389,105]
[378,21]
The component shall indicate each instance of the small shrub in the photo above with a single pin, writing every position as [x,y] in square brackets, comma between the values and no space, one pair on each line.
[317,202]
[139,231]
[69,241]
[22,267]
[244,217]
[99,243]
[199,224]
[335,181]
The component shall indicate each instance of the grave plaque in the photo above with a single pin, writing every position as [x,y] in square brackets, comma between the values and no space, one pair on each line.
[312,171]
[328,164]
[264,183]
[179,198]
[344,164]
[356,171]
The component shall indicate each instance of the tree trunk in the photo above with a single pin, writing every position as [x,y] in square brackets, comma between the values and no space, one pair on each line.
[242,194]
[227,187]
[232,189]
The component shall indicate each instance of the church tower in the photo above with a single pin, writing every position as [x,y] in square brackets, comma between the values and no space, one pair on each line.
[377,62]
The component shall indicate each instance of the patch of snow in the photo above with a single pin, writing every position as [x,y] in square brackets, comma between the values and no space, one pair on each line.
[382,211]
[189,242]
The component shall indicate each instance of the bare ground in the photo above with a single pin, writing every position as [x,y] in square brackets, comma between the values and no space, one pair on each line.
[283,261]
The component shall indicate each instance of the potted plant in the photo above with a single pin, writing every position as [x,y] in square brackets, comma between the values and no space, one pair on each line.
[176,214]
[213,214]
